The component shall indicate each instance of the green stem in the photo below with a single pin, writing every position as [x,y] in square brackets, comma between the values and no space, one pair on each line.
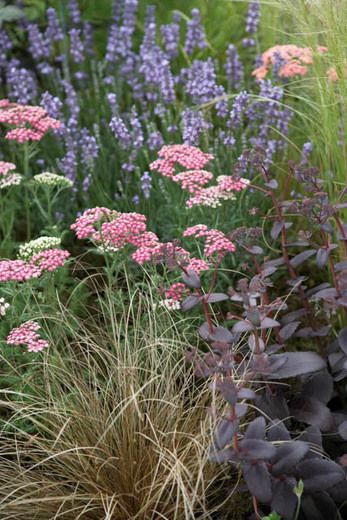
[26,191]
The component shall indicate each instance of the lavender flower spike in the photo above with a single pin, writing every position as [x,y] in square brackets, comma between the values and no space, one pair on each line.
[195,36]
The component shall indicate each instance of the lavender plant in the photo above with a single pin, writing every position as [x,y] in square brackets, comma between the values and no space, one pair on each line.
[147,93]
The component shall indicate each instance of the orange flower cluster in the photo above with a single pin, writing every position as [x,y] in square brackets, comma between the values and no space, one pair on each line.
[293,60]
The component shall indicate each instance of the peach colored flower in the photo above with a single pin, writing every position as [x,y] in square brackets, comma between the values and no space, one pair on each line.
[332,74]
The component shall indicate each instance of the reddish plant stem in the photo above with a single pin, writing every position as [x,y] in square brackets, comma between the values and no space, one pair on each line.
[265,301]
[213,280]
[289,266]
[342,231]
[235,437]
[257,344]
[206,311]
[255,507]
[331,263]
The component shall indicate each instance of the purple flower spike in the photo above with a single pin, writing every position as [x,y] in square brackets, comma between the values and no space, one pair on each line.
[195,36]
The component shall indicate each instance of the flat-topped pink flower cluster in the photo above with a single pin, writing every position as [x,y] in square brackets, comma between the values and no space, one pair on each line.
[6,167]
[195,178]
[27,335]
[112,231]
[22,270]
[31,122]
[292,60]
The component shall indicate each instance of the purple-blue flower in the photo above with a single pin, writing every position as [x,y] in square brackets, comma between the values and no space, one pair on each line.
[155,140]
[233,68]
[76,46]
[75,13]
[193,126]
[252,19]
[170,34]
[121,132]
[195,35]
[201,81]
[53,32]
[146,184]
[39,46]
[21,83]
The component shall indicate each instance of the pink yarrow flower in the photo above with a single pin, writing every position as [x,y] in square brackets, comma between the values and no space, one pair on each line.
[294,60]
[177,292]
[125,229]
[50,259]
[24,270]
[84,226]
[216,241]
[27,335]
[184,155]
[18,271]
[197,265]
[31,122]
[187,156]
[6,167]
[192,180]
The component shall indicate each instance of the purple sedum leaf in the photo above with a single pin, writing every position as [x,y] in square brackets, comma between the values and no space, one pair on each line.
[342,429]
[256,429]
[288,330]
[224,433]
[319,474]
[322,257]
[256,449]
[258,481]
[301,257]
[190,302]
[342,339]
[242,326]
[298,364]
[216,297]
[192,280]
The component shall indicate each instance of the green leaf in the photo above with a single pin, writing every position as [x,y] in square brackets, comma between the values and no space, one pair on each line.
[272,516]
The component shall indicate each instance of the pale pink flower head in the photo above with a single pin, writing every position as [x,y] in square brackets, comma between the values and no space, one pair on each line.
[18,271]
[187,156]
[199,230]
[184,155]
[4,103]
[125,229]
[166,168]
[177,292]
[6,167]
[216,241]
[332,74]
[291,69]
[213,196]
[30,123]
[294,60]
[192,180]
[50,259]
[197,265]
[85,225]
[228,183]
[27,335]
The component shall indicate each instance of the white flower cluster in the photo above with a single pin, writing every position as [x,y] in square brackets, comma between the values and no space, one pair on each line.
[210,196]
[3,306]
[52,179]
[26,251]
[11,179]
[107,248]
[170,304]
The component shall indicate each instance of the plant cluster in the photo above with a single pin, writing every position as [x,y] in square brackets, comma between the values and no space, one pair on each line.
[158,162]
